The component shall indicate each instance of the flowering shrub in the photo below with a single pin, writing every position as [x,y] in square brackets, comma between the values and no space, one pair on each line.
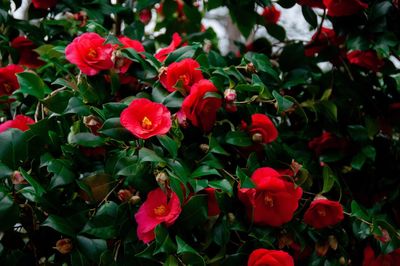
[121,145]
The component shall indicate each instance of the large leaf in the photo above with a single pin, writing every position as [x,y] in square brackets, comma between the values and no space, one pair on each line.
[13,147]
[32,84]
[9,211]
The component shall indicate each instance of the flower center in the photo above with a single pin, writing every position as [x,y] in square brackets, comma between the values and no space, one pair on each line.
[268,200]
[185,79]
[160,210]
[7,88]
[321,212]
[92,53]
[146,123]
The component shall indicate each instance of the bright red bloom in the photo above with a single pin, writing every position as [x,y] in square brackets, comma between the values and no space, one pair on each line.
[323,213]
[265,257]
[322,40]
[158,208]
[327,141]
[89,53]
[274,199]
[339,8]
[311,3]
[164,52]
[123,64]
[271,15]
[391,259]
[8,79]
[27,56]
[20,122]
[44,4]
[144,118]
[213,208]
[366,59]
[182,74]
[199,108]
[261,124]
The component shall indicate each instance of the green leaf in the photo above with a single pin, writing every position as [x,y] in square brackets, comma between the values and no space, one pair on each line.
[112,128]
[76,106]
[238,138]
[58,102]
[39,190]
[173,100]
[164,243]
[189,255]
[244,17]
[310,16]
[147,155]
[223,184]
[358,211]
[286,3]
[5,171]
[276,31]
[204,170]
[102,225]
[283,102]
[13,148]
[245,181]
[9,211]
[182,53]
[261,62]
[329,179]
[59,224]
[358,133]
[32,84]
[169,144]
[91,248]
[63,173]
[86,139]
[194,213]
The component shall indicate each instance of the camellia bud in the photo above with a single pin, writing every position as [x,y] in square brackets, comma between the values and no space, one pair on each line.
[134,199]
[321,249]
[64,246]
[92,122]
[124,195]
[257,138]
[342,260]
[250,68]
[162,177]
[230,95]
[181,118]
[231,217]
[204,147]
[333,243]
[385,237]
[145,16]
[17,178]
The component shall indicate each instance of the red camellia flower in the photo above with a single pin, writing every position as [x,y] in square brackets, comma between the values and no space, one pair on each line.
[262,129]
[181,74]
[391,259]
[144,118]
[44,4]
[366,59]
[213,208]
[8,79]
[158,208]
[145,16]
[27,56]
[201,110]
[271,15]
[327,141]
[311,3]
[20,122]
[273,201]
[339,8]
[265,257]
[89,53]
[163,53]
[322,40]
[323,213]
[122,64]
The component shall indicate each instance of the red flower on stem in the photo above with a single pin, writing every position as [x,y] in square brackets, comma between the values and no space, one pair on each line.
[261,129]
[89,53]
[271,15]
[8,79]
[262,256]
[199,108]
[273,201]
[158,208]
[164,52]
[122,64]
[181,75]
[366,59]
[20,122]
[144,118]
[27,56]
[323,213]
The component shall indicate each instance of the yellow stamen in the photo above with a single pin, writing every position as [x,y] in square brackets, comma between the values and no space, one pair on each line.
[146,123]
[160,210]
[268,200]
[92,53]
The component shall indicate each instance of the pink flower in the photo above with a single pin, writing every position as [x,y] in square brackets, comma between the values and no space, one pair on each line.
[163,53]
[158,208]
[182,74]
[144,118]
[20,122]
[89,53]
[123,64]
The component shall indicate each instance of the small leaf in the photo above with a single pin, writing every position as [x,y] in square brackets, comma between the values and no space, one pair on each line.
[147,155]
[32,84]
[86,139]
[59,224]
[238,138]
[329,179]
[169,144]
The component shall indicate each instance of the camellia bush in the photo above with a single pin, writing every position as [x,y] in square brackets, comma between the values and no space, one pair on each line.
[121,145]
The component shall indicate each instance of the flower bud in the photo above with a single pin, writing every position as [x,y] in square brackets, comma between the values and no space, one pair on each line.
[181,117]
[64,246]
[385,237]
[230,95]
[17,178]
[342,260]
[92,122]
[231,217]
[162,177]
[257,138]
[250,68]
[321,249]
[204,147]
[333,243]
[134,199]
[145,16]
[124,195]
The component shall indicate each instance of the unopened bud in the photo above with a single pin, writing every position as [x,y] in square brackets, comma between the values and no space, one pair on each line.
[342,260]
[321,249]
[231,217]
[134,199]
[181,118]
[92,122]
[64,246]
[230,95]
[250,68]
[162,177]
[124,195]
[333,243]
[257,138]
[385,237]
[17,178]
[204,147]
